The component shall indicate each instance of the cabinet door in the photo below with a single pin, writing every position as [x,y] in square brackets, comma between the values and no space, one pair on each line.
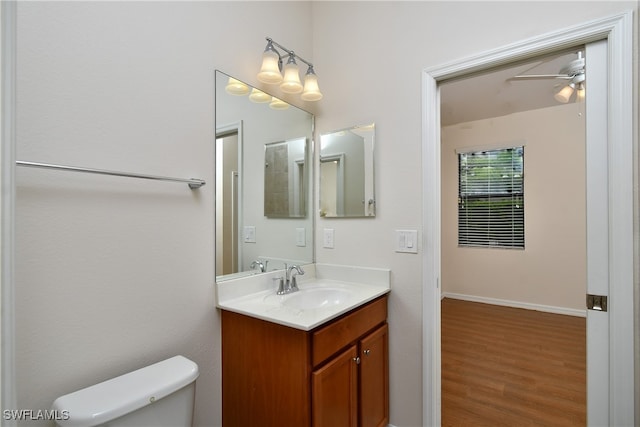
[335,391]
[374,378]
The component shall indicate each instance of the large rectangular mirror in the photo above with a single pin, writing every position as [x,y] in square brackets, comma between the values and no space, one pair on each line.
[256,229]
[347,172]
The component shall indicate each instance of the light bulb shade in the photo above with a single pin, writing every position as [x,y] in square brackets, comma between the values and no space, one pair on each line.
[311,89]
[564,94]
[278,104]
[236,87]
[291,82]
[259,96]
[270,70]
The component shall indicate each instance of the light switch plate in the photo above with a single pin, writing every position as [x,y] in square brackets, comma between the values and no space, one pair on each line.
[407,241]
[249,234]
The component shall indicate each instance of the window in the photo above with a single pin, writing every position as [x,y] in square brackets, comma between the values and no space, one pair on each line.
[491,198]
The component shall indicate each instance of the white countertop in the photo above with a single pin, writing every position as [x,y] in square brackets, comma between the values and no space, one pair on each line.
[256,296]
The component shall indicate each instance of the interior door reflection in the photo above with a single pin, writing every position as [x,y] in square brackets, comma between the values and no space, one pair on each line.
[227,197]
[332,185]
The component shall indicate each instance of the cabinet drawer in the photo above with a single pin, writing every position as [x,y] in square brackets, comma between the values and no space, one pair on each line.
[331,338]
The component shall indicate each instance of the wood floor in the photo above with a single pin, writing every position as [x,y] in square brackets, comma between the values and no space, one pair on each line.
[505,366]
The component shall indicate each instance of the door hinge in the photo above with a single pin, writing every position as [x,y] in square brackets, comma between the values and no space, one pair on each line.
[597,302]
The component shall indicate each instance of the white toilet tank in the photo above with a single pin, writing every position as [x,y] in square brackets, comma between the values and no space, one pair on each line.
[158,395]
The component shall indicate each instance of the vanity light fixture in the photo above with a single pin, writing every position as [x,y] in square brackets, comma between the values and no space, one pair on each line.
[271,72]
[236,87]
[278,104]
[271,65]
[291,82]
[259,96]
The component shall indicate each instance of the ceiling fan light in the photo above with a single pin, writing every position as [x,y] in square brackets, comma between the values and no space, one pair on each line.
[580,93]
[565,93]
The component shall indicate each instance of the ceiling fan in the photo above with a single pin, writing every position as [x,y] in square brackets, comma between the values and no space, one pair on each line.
[573,72]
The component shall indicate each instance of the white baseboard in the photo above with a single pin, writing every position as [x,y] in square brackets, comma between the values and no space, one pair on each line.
[517,304]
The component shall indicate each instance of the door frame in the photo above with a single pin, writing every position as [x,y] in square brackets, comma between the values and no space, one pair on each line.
[8,19]
[618,31]
[221,131]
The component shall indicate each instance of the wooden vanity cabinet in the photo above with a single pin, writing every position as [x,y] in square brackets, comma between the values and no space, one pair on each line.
[374,378]
[335,375]
[352,388]
[335,391]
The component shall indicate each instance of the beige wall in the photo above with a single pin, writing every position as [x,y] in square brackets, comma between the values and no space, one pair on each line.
[374,75]
[113,274]
[551,270]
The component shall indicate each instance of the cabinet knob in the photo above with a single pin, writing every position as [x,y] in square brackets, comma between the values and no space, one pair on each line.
[357,360]
[366,352]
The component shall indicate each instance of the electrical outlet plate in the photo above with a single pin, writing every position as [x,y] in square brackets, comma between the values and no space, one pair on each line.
[328,237]
[301,237]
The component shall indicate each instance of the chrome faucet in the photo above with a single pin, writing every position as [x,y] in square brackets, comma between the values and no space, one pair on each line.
[291,277]
[289,283]
[261,265]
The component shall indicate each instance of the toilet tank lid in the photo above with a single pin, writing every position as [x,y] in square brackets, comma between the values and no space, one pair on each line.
[118,396]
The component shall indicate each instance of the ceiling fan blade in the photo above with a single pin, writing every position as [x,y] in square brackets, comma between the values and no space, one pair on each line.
[541,76]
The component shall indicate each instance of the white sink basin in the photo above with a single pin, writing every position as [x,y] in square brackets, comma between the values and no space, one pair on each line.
[312,298]
[318,300]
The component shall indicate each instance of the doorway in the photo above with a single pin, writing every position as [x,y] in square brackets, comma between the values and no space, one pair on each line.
[613,375]
[513,239]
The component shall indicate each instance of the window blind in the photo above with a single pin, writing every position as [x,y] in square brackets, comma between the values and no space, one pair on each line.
[491,198]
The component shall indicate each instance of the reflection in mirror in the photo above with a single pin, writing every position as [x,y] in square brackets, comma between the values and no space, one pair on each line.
[250,239]
[285,179]
[346,172]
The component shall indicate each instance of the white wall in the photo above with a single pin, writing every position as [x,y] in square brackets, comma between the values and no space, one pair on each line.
[551,270]
[112,273]
[376,52]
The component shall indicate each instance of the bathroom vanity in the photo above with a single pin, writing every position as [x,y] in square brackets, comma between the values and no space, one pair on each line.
[323,366]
